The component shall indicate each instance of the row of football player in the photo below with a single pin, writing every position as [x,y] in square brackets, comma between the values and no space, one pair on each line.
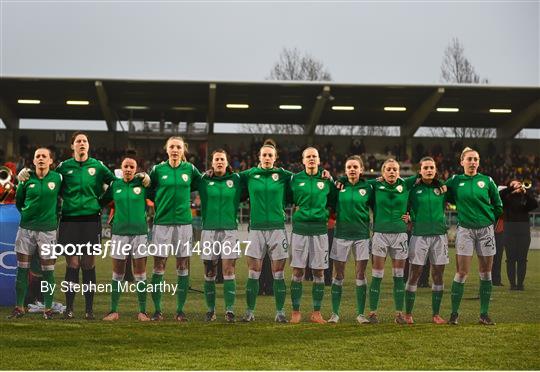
[394,201]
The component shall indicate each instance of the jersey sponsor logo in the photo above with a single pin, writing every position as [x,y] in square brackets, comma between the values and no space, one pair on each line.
[419,191]
[211,183]
[51,185]
[70,171]
[301,184]
[91,171]
[481,184]
[362,192]
[164,177]
[437,191]
[137,190]
[343,190]
[275,176]
[462,184]
[118,191]
[32,185]
[399,188]
[257,176]
[229,183]
[381,187]
[320,185]
[185,177]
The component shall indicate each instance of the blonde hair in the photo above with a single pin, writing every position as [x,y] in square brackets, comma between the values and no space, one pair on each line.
[309,148]
[389,160]
[466,150]
[183,156]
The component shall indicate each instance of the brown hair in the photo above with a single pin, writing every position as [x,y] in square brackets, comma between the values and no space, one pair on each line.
[228,169]
[389,160]
[357,158]
[183,156]
[271,144]
[78,133]
[51,155]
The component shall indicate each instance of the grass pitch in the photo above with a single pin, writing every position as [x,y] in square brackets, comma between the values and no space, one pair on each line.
[514,343]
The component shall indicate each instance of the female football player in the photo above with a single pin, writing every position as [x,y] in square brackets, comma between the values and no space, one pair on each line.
[478,206]
[267,187]
[352,205]
[310,194]
[429,239]
[390,235]
[129,235]
[172,233]
[220,197]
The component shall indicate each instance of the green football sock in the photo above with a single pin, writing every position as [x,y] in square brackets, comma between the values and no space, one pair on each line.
[280,293]
[115,295]
[399,292]
[485,296]
[410,296]
[21,285]
[48,276]
[296,295]
[361,298]
[252,290]
[229,293]
[210,294]
[456,295]
[141,296]
[317,294]
[157,294]
[336,297]
[436,299]
[181,294]
[374,293]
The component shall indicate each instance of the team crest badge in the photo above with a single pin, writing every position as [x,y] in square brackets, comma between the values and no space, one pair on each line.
[437,191]
[137,190]
[51,185]
[399,188]
[229,183]
[362,192]
[91,171]
[275,176]
[481,184]
[185,177]
[320,185]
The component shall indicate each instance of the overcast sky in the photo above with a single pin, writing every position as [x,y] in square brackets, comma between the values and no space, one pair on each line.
[359,42]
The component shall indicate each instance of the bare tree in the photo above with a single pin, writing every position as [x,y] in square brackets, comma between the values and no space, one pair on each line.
[293,65]
[456,68]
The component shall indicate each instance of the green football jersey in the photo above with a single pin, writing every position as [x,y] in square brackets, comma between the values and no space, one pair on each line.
[352,205]
[170,189]
[220,197]
[390,204]
[82,186]
[427,206]
[311,194]
[477,200]
[267,189]
[37,200]
[129,207]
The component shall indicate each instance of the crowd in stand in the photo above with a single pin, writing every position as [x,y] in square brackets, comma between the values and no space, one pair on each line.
[501,167]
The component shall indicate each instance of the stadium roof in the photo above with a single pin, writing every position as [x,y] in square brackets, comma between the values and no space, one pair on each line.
[314,102]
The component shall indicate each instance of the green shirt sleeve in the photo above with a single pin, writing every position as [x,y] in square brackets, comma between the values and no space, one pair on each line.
[195,178]
[20,195]
[410,181]
[108,176]
[496,201]
[107,196]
